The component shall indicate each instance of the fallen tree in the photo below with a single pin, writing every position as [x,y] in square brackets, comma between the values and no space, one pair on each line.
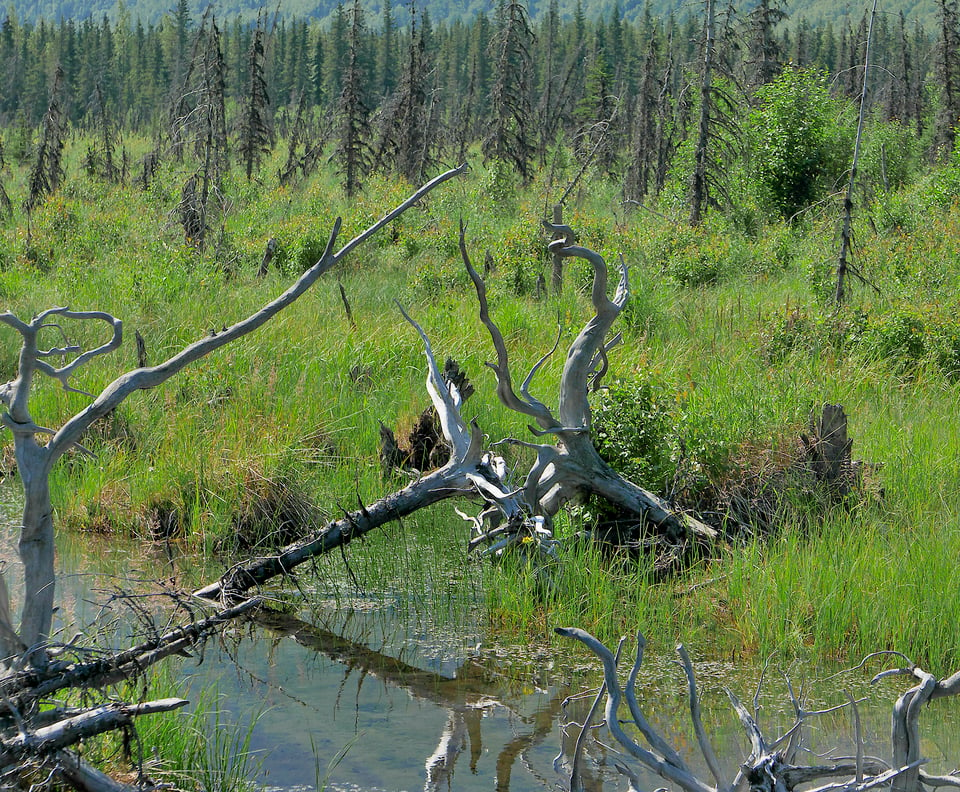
[35,459]
[771,764]
[567,469]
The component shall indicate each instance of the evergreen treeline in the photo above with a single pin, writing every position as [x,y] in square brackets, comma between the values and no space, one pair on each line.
[631,100]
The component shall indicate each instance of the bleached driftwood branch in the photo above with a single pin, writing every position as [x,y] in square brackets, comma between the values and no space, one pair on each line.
[769,766]
[467,471]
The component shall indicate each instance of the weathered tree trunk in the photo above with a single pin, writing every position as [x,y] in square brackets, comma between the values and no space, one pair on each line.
[36,550]
[846,232]
[698,180]
[447,482]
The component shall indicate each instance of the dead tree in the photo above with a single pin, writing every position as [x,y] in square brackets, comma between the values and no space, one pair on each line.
[37,731]
[256,134]
[771,764]
[199,116]
[570,468]
[846,232]
[6,207]
[36,455]
[301,137]
[467,472]
[47,171]
[567,470]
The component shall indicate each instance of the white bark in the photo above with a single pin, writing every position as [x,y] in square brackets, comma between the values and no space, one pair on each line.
[571,468]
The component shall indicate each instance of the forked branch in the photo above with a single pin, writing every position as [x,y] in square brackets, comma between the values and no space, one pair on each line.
[767,768]
[526,405]
[570,468]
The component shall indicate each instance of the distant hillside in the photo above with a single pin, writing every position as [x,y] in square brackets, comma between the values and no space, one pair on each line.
[150,11]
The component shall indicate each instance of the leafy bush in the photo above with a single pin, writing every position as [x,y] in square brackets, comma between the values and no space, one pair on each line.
[632,430]
[899,335]
[889,157]
[904,337]
[297,256]
[805,332]
[798,149]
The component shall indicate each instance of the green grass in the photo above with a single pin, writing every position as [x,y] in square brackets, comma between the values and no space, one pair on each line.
[196,749]
[730,326]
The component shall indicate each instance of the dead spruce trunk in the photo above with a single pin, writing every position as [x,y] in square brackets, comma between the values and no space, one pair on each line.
[35,459]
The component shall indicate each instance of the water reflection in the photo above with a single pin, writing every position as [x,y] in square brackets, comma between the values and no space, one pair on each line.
[475,699]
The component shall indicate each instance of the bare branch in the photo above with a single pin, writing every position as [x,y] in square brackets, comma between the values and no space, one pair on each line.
[73,729]
[64,372]
[445,397]
[574,408]
[630,693]
[528,406]
[651,760]
[693,696]
[145,378]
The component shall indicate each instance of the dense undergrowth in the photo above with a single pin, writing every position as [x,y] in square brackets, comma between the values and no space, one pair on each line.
[729,345]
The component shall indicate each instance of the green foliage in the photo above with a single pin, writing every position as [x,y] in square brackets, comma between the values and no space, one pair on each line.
[288,418]
[905,337]
[799,151]
[634,431]
[890,157]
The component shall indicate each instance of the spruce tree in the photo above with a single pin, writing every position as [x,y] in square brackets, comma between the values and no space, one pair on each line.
[646,130]
[596,114]
[509,136]
[407,139]
[763,56]
[715,133]
[353,112]
[203,124]
[256,130]
[47,171]
[947,67]
[386,55]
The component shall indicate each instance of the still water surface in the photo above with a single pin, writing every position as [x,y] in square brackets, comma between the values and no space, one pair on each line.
[416,704]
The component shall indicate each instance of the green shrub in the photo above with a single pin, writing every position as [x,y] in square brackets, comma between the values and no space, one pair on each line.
[889,156]
[898,335]
[798,149]
[298,255]
[633,431]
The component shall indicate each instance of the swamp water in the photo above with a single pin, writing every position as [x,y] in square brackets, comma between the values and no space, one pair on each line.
[415,702]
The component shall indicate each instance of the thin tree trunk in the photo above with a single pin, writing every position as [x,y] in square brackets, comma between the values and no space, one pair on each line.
[845,233]
[698,184]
